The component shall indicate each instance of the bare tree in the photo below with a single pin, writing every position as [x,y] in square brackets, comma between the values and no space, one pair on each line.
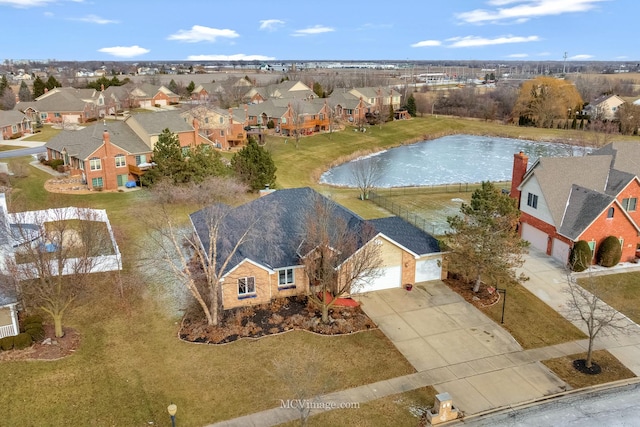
[58,249]
[297,117]
[585,305]
[366,173]
[338,254]
[200,260]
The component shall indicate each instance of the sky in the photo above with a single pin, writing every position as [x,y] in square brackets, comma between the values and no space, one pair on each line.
[272,30]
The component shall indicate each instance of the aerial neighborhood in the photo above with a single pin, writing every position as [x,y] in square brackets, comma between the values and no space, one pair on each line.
[175,233]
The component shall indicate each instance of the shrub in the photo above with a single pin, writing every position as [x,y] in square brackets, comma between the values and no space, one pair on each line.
[36,333]
[33,318]
[580,256]
[6,343]
[270,124]
[609,252]
[22,341]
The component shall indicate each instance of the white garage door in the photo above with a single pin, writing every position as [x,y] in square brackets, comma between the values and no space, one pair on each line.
[389,277]
[560,250]
[71,119]
[428,269]
[145,104]
[162,102]
[537,238]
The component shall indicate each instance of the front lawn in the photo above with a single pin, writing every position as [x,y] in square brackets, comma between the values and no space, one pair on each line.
[621,291]
[10,147]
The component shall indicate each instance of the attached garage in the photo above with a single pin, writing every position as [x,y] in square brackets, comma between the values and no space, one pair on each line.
[537,238]
[388,278]
[560,250]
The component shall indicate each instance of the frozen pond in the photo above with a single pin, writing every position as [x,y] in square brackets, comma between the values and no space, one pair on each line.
[448,160]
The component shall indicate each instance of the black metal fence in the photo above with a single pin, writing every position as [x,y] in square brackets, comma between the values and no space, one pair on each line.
[382,197]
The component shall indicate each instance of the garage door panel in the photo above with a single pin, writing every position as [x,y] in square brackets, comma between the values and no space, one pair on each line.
[560,250]
[428,269]
[389,277]
[537,238]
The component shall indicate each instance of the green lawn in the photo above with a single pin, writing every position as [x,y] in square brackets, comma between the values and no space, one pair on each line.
[621,291]
[10,147]
[45,134]
[532,322]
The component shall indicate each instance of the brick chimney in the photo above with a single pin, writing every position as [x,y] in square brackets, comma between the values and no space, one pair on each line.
[520,162]
[230,116]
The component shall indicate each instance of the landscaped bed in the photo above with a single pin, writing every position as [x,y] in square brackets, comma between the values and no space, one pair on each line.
[281,315]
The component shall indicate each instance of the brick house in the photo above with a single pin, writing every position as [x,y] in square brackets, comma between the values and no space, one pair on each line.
[223,128]
[65,106]
[110,154]
[349,107]
[564,200]
[14,124]
[147,95]
[269,267]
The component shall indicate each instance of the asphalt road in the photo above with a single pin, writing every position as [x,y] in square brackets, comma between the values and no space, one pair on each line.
[616,407]
[22,152]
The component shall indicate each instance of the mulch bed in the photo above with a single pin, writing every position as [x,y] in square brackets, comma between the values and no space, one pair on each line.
[485,297]
[581,365]
[57,349]
[280,315]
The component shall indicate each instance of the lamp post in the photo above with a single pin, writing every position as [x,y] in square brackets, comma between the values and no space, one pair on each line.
[172,409]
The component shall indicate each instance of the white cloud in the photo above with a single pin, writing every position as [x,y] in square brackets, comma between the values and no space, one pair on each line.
[271,24]
[94,19]
[236,57]
[580,57]
[427,43]
[198,33]
[518,55]
[621,57]
[23,4]
[124,51]
[475,41]
[318,29]
[522,10]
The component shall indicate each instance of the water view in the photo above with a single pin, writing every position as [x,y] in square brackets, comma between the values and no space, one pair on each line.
[448,160]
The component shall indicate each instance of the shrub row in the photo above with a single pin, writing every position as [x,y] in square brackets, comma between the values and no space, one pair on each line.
[31,331]
[609,254]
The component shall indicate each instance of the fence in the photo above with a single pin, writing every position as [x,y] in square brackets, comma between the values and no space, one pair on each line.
[382,198]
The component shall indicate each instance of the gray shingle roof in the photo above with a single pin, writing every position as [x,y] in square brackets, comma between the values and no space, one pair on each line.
[7,291]
[278,241]
[583,207]
[82,143]
[155,123]
[11,117]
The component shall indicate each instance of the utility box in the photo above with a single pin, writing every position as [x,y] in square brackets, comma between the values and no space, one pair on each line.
[443,410]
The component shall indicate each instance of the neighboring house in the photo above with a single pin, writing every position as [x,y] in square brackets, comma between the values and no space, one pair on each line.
[272,109]
[312,117]
[206,92]
[65,106]
[14,124]
[8,299]
[378,98]
[12,238]
[349,107]
[270,267]
[604,107]
[566,199]
[109,155]
[147,95]
[105,156]
[224,128]
[288,90]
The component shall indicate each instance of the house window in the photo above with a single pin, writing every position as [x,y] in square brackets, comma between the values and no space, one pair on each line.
[246,287]
[221,132]
[141,159]
[206,120]
[221,120]
[285,278]
[121,161]
[592,246]
[610,212]
[629,204]
[95,164]
[96,182]
[532,200]
[185,151]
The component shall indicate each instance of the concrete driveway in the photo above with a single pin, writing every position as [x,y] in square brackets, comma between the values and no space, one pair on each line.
[437,331]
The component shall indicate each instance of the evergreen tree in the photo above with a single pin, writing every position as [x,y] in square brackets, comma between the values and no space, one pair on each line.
[167,155]
[317,89]
[52,82]
[38,87]
[391,115]
[483,244]
[24,94]
[203,162]
[4,83]
[411,105]
[254,166]
[191,86]
[173,86]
